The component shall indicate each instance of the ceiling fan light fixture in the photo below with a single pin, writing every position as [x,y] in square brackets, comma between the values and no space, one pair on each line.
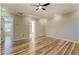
[40,7]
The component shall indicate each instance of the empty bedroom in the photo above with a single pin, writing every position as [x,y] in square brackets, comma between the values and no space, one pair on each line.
[39,29]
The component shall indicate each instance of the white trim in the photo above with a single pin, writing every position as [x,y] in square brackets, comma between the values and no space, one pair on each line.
[48,36]
[63,39]
[22,38]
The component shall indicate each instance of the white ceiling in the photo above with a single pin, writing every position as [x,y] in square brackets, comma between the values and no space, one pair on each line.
[51,10]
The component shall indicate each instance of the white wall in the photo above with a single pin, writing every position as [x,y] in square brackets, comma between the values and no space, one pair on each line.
[65,27]
[21,28]
[40,29]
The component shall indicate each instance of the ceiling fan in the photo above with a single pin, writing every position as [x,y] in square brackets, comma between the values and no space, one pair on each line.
[41,6]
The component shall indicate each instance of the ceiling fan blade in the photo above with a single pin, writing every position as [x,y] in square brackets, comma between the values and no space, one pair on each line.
[35,5]
[37,9]
[46,4]
[43,8]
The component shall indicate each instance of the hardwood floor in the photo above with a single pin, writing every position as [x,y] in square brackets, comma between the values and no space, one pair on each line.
[45,46]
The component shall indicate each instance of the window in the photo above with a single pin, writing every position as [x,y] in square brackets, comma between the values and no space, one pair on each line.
[8,24]
[8,27]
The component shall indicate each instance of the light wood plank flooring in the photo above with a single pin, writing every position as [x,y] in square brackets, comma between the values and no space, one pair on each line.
[45,46]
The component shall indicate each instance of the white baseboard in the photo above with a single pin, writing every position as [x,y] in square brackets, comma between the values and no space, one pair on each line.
[22,38]
[63,39]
